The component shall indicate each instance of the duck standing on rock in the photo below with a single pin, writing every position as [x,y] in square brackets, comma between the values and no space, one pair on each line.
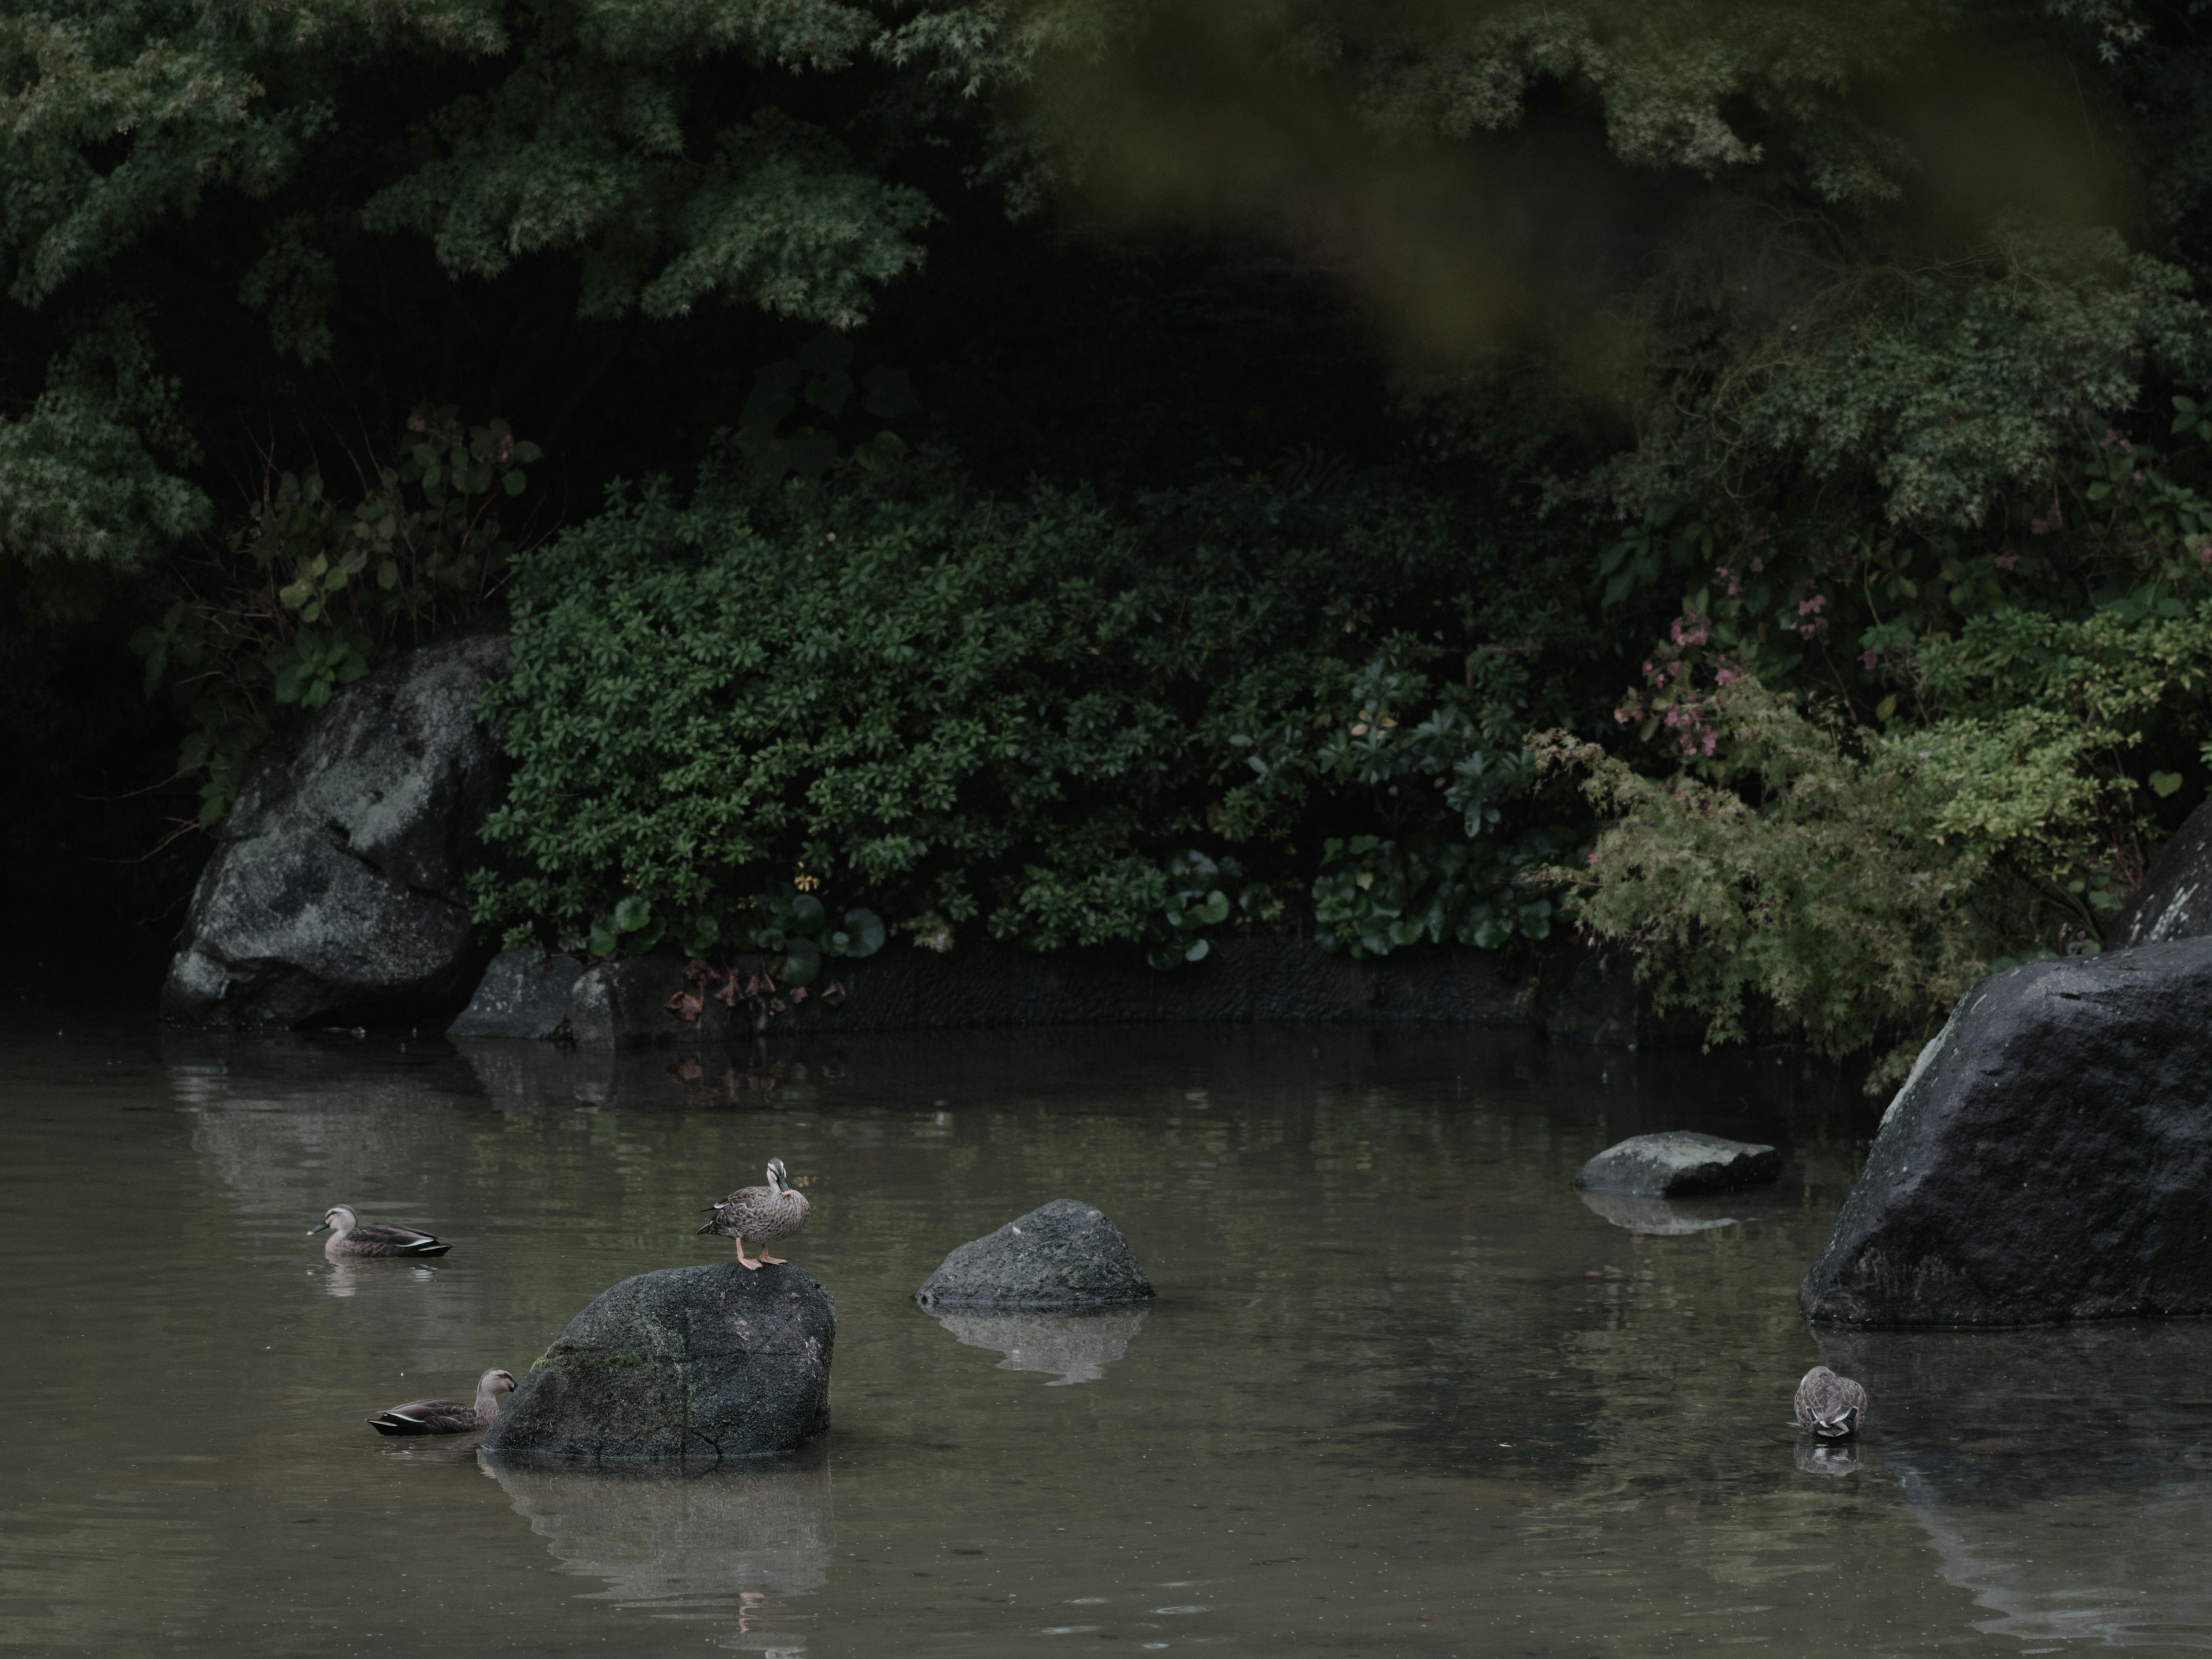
[762,1214]
[1833,1408]
[449,1416]
[349,1236]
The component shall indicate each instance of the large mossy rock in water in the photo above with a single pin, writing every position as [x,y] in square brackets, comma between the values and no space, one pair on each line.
[1062,1256]
[2049,1158]
[1677,1164]
[336,889]
[692,1362]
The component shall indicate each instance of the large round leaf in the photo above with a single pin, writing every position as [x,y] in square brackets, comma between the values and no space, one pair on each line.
[801,964]
[865,931]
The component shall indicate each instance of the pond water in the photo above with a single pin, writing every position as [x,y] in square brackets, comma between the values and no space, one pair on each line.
[1402,1391]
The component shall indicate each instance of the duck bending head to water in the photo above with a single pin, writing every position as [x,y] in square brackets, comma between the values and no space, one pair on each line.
[449,1416]
[763,1214]
[351,1235]
[1833,1408]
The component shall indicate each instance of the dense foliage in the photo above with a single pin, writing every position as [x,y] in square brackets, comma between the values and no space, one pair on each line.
[1081,724]
[1792,402]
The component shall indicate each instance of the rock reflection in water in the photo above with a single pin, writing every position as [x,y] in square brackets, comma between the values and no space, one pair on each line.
[1656,1216]
[1076,1347]
[736,1545]
[2064,1475]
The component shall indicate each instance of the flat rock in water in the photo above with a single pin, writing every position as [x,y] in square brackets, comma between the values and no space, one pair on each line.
[523,994]
[692,1362]
[335,889]
[1677,1164]
[2049,1158]
[1060,1255]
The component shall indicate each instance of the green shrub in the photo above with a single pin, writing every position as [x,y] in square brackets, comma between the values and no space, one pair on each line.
[1858,881]
[1057,718]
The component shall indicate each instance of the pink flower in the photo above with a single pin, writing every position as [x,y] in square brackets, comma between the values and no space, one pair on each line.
[1712,739]
[1726,676]
[1758,565]
[2007,561]
[1812,607]
[1868,659]
[2038,527]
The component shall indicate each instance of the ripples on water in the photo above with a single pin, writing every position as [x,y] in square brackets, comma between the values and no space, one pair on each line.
[1403,1391]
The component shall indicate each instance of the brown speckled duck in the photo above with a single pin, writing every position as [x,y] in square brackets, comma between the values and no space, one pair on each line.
[351,1235]
[448,1416]
[762,1214]
[1832,1407]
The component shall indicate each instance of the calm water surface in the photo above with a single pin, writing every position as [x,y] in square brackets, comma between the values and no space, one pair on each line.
[1402,1392]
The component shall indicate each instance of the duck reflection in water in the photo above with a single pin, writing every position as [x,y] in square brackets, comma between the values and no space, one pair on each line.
[740,1546]
[344,1277]
[1818,1456]
[1072,1348]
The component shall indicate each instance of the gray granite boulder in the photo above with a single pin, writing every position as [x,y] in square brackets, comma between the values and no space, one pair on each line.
[1062,1256]
[1677,1164]
[523,994]
[2175,900]
[697,1364]
[336,888]
[2050,1158]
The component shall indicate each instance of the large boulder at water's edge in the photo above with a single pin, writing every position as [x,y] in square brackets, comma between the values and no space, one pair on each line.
[1677,1164]
[2049,1158]
[2175,900]
[1062,1256]
[335,889]
[693,1362]
[523,994]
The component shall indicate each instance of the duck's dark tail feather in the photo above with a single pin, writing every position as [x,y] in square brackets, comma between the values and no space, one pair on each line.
[426,1246]
[392,1423]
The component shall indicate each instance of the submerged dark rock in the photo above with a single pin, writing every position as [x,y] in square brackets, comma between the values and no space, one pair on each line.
[693,1362]
[1063,1255]
[2050,1158]
[523,994]
[337,886]
[1677,1164]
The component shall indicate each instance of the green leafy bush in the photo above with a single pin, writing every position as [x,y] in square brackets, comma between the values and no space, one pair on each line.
[1856,881]
[1051,716]
[1808,879]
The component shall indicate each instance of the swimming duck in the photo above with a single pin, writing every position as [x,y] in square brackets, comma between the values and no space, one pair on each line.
[762,1214]
[1833,1408]
[448,1416]
[349,1236]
